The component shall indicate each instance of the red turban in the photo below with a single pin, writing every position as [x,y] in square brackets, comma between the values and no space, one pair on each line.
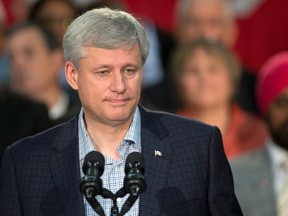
[272,80]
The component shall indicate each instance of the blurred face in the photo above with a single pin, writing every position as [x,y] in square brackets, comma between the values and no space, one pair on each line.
[205,81]
[57,15]
[208,19]
[19,9]
[109,83]
[33,66]
[2,36]
[277,119]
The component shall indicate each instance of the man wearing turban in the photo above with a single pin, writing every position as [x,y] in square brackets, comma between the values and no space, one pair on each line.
[261,177]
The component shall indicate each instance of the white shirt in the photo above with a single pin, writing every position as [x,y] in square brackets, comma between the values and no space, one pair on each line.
[278,156]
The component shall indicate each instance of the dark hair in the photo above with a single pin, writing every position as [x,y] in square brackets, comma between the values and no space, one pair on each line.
[48,36]
[34,11]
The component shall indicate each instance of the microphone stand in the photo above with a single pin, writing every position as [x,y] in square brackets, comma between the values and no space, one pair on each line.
[106,194]
[95,205]
[91,183]
[128,204]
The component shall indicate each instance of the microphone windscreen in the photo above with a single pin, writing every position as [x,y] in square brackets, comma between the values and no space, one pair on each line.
[134,157]
[92,158]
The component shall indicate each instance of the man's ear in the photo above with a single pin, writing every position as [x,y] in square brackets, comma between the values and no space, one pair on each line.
[71,74]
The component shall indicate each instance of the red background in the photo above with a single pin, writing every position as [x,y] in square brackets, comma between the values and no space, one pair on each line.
[261,35]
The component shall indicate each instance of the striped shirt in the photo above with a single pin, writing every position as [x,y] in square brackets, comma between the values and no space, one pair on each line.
[114,173]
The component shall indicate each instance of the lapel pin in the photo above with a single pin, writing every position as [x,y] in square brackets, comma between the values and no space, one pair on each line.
[157,153]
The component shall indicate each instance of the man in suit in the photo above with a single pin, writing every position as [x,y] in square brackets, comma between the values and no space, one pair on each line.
[261,176]
[186,170]
[35,58]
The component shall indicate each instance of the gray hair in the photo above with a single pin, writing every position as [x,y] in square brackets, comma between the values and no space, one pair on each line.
[103,28]
[183,5]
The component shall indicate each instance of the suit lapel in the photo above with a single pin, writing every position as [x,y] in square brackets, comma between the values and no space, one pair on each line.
[65,169]
[157,155]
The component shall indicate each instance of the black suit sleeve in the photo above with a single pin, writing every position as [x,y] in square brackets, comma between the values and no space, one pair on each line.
[9,197]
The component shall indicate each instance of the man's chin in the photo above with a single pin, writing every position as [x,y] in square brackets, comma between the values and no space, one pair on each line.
[120,117]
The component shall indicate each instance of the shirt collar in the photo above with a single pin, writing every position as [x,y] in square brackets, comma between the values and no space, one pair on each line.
[133,135]
[278,154]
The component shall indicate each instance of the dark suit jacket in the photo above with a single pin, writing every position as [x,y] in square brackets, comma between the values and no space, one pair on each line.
[19,117]
[41,175]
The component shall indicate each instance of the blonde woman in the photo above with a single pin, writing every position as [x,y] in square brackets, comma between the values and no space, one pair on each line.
[206,75]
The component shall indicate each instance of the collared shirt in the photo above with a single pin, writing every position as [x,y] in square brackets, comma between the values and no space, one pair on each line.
[61,107]
[113,176]
[278,156]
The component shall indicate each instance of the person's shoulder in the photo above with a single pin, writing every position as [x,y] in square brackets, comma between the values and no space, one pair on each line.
[250,123]
[16,100]
[172,120]
[249,159]
[44,139]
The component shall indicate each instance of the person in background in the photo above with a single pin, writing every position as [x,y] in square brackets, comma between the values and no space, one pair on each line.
[3,54]
[261,177]
[211,19]
[186,170]
[55,15]
[20,117]
[11,13]
[206,76]
[215,21]
[35,60]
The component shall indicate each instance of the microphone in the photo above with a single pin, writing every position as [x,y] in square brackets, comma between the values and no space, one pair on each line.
[134,181]
[93,168]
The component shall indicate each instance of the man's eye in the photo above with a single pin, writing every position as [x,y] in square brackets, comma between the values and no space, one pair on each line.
[282,103]
[129,71]
[29,53]
[103,73]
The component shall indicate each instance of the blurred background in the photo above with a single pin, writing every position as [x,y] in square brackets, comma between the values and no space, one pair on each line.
[213,79]
[262,23]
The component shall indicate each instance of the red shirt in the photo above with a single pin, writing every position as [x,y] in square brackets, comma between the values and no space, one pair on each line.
[245,132]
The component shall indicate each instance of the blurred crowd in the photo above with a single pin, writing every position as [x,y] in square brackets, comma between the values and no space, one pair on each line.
[192,70]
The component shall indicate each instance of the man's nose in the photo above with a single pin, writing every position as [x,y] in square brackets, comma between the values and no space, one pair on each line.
[118,82]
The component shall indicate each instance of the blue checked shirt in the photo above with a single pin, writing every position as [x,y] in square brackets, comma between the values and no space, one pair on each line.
[113,176]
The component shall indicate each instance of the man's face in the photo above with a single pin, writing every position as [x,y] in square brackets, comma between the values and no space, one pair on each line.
[109,83]
[277,119]
[33,66]
[208,19]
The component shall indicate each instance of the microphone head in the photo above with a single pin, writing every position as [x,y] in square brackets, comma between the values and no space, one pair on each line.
[94,158]
[132,159]
[134,181]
